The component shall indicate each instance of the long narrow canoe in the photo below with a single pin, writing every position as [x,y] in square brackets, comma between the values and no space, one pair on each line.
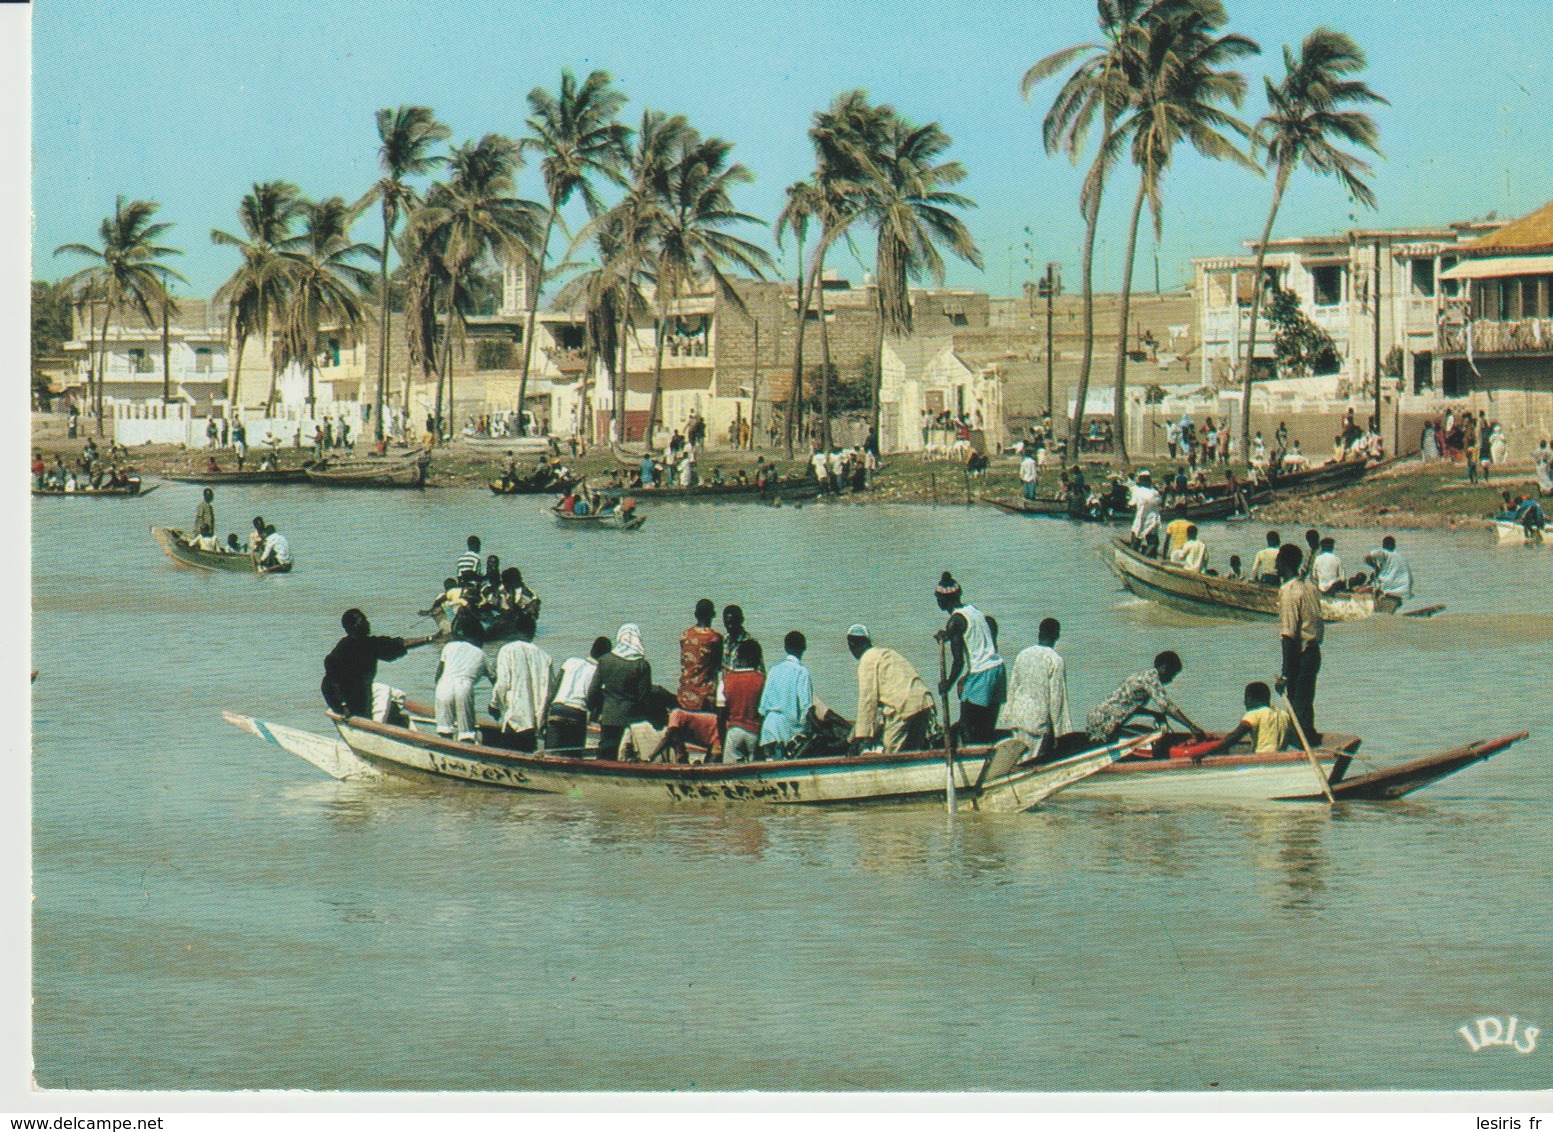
[906,776]
[1515,534]
[1401,779]
[134,491]
[786,490]
[175,543]
[1200,510]
[1232,777]
[370,473]
[326,752]
[603,521]
[517,445]
[1192,592]
[1043,506]
[277,475]
[528,487]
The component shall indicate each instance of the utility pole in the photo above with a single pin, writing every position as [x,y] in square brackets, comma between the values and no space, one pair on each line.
[1049,288]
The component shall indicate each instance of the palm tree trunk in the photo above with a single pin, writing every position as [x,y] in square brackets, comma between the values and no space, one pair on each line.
[622,374]
[657,382]
[533,312]
[93,354]
[167,354]
[234,385]
[380,398]
[1119,407]
[446,377]
[795,393]
[825,369]
[102,364]
[1279,184]
[1087,283]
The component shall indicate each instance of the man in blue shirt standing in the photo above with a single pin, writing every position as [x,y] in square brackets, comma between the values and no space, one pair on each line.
[787,702]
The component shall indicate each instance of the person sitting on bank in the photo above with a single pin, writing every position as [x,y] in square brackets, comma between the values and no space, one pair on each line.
[1268,726]
[787,701]
[1141,693]
[893,704]
[1264,567]
[350,669]
[521,690]
[275,555]
[1037,707]
[1191,554]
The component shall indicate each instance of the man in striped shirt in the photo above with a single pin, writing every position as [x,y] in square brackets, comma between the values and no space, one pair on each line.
[469,561]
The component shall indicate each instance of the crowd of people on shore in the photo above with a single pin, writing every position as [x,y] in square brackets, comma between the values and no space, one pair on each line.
[729,706]
[91,471]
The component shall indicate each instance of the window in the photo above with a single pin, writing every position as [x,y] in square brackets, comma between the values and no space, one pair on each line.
[1327,283]
[1451,287]
[959,319]
[1423,372]
[138,362]
[569,337]
[1423,277]
[334,351]
[202,359]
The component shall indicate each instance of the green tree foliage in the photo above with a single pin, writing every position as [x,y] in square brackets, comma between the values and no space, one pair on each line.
[1302,348]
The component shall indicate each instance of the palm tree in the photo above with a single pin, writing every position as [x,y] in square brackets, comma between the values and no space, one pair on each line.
[1177,88]
[576,132]
[802,205]
[1098,87]
[326,286]
[256,292]
[474,214]
[694,205]
[128,272]
[1308,114]
[407,136]
[902,192]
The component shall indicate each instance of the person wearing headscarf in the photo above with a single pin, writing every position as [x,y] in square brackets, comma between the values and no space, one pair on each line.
[621,691]
[463,662]
[974,662]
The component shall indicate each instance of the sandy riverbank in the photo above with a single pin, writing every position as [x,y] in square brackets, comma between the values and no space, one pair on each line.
[1409,496]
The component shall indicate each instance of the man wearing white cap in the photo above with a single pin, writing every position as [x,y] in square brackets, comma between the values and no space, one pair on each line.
[1146,512]
[891,696]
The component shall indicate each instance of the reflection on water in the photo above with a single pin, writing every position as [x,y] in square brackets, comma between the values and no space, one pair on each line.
[212,913]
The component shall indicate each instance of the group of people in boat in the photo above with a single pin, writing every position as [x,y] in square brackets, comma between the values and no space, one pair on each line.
[729,706]
[89,472]
[1525,510]
[484,600]
[268,545]
[545,475]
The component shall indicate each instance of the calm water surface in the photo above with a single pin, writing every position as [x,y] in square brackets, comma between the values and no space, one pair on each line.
[214,914]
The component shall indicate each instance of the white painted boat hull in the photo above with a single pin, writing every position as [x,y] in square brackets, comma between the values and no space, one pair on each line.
[1137,782]
[1514,534]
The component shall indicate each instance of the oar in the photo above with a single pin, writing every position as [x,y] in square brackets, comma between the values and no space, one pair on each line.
[1309,754]
[943,675]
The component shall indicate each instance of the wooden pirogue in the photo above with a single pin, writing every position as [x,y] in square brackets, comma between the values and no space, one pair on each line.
[384,750]
[1515,534]
[370,472]
[601,521]
[134,490]
[1284,776]
[273,475]
[1195,592]
[175,543]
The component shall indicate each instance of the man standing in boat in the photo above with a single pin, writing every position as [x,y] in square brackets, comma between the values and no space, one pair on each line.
[892,701]
[1300,630]
[1146,514]
[205,521]
[787,701]
[700,660]
[521,689]
[350,669]
[1037,707]
[973,653]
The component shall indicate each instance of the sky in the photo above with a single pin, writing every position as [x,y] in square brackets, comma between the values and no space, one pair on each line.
[189,102]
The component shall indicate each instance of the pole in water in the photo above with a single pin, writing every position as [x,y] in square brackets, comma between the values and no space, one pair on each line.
[949,797]
[1309,754]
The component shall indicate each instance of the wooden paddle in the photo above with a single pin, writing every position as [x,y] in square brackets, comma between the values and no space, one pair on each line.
[943,676]
[1309,754]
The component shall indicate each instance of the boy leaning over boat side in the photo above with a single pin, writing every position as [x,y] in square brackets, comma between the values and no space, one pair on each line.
[1268,726]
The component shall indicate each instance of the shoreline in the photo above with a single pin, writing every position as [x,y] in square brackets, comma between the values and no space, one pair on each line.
[1409,496]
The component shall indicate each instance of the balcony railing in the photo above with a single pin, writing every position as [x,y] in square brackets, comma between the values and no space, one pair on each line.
[1521,336]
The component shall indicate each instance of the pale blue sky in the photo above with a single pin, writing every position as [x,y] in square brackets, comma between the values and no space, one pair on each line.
[189,102]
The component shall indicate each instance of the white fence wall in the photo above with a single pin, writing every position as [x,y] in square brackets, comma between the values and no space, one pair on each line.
[155,423]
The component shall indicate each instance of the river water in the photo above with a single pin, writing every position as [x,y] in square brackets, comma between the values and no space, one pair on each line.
[212,913]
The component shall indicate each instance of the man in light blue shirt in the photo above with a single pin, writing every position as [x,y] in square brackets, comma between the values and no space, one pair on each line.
[787,701]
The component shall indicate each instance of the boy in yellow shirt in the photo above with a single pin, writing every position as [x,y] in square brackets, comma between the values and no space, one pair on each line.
[1267,726]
